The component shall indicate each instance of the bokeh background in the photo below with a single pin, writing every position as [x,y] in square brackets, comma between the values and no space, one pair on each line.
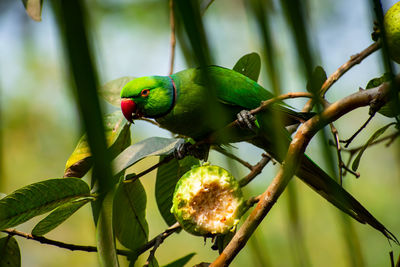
[40,124]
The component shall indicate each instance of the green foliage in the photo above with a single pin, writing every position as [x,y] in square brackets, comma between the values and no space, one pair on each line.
[318,78]
[118,138]
[9,252]
[249,65]
[129,215]
[39,198]
[181,261]
[58,216]
[110,91]
[378,133]
[389,109]
[167,177]
[105,233]
[153,146]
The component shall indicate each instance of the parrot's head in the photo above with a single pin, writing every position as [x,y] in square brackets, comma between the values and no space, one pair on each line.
[150,97]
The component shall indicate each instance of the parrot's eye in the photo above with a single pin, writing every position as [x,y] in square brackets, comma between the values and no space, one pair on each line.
[145,93]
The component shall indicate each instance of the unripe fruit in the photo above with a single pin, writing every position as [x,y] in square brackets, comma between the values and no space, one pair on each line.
[392,27]
[207,201]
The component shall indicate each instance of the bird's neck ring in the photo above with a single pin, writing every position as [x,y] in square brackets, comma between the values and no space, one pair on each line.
[174,97]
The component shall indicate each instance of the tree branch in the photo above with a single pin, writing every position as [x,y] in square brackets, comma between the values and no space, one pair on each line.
[291,162]
[155,166]
[233,156]
[44,240]
[255,170]
[173,39]
[354,60]
[159,238]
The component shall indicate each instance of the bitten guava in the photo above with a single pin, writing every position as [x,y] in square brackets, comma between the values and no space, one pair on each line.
[207,201]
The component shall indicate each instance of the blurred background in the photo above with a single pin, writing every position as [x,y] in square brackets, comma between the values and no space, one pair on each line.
[40,124]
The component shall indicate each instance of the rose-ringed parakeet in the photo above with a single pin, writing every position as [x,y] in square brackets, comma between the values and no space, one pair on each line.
[197,102]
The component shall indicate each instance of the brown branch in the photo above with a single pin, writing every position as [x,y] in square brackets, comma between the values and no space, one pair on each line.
[255,170]
[155,166]
[390,137]
[348,141]
[149,120]
[291,162]
[173,39]
[338,152]
[341,164]
[172,229]
[251,201]
[157,243]
[44,240]
[234,157]
[354,60]
[264,104]
[268,102]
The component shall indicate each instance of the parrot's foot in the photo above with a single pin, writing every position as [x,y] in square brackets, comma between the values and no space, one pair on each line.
[188,149]
[246,120]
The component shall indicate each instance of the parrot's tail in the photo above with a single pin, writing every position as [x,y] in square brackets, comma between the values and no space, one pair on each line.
[323,184]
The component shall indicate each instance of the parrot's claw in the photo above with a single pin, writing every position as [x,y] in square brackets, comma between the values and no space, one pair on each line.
[187,149]
[246,120]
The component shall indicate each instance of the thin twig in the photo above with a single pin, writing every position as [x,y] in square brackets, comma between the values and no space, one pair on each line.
[354,60]
[338,151]
[155,166]
[251,201]
[341,164]
[390,137]
[268,102]
[255,170]
[348,141]
[44,240]
[391,258]
[264,105]
[172,229]
[173,38]
[232,156]
[149,120]
[157,243]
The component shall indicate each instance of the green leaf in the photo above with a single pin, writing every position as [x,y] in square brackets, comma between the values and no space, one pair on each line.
[378,133]
[222,241]
[9,252]
[317,80]
[181,261]
[34,9]
[58,216]
[153,262]
[130,225]
[249,65]
[105,233]
[167,177]
[112,89]
[387,109]
[153,146]
[188,15]
[39,198]
[118,138]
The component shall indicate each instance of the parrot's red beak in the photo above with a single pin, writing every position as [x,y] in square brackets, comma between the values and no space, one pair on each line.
[128,107]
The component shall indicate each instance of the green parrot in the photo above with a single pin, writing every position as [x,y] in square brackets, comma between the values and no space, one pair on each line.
[199,101]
